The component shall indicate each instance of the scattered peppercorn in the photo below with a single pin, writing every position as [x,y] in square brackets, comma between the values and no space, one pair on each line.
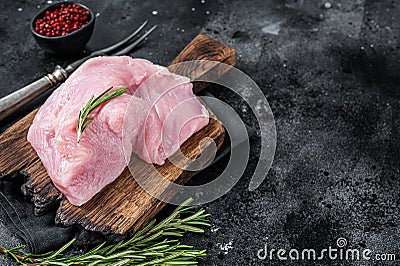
[62,21]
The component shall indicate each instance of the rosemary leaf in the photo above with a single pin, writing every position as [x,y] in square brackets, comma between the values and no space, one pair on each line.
[149,246]
[83,120]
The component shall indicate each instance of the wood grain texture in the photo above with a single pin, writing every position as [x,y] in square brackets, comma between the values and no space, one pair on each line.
[205,59]
[122,206]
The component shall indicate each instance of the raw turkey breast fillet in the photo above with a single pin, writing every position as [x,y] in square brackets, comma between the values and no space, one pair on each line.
[153,118]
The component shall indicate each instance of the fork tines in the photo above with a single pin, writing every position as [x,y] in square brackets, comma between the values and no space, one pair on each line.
[111,50]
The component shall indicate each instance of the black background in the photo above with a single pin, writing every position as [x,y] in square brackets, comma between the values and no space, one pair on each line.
[331,76]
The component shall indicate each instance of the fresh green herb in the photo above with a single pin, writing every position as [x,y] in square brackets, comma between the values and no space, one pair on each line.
[149,246]
[83,120]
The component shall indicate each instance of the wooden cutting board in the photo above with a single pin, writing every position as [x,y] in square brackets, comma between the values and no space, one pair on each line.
[122,206]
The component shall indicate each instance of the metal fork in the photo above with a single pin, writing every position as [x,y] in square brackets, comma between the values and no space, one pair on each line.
[10,103]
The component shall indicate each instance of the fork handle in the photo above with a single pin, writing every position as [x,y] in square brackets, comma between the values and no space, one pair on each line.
[15,100]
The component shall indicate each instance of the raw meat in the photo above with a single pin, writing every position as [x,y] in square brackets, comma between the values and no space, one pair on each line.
[174,116]
[153,115]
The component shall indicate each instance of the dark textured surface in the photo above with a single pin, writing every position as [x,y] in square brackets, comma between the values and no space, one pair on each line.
[331,76]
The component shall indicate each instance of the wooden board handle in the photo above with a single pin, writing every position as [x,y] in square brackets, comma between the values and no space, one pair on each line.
[205,59]
[205,48]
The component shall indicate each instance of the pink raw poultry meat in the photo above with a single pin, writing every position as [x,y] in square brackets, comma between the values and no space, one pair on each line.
[175,115]
[80,170]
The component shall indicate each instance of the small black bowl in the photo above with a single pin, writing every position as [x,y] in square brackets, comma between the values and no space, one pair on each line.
[71,43]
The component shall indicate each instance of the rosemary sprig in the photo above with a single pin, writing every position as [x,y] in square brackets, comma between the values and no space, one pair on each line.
[149,246]
[83,120]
